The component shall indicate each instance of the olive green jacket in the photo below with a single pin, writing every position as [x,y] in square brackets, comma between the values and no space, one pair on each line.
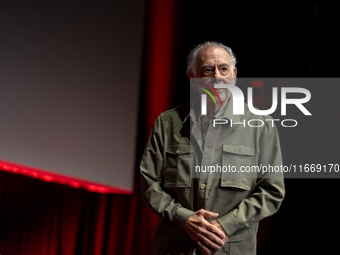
[242,199]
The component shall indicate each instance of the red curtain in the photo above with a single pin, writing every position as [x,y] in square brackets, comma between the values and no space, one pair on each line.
[38,217]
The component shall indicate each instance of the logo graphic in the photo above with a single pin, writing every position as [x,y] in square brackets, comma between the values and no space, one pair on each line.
[299,98]
[238,106]
[213,90]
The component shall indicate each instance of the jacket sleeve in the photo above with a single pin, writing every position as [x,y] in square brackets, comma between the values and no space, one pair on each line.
[151,172]
[269,191]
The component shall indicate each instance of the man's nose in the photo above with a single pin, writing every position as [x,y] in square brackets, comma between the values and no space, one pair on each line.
[217,73]
[217,76]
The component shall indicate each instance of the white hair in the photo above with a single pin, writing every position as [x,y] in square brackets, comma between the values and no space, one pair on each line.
[191,60]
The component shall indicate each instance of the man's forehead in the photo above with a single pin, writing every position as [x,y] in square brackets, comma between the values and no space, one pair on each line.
[213,52]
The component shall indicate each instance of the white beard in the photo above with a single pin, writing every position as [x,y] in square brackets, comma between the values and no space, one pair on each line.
[224,95]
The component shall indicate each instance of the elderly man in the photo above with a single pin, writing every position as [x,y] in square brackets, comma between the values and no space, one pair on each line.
[210,214]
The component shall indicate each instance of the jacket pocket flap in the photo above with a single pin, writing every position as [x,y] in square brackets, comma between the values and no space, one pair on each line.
[179,148]
[238,149]
[236,184]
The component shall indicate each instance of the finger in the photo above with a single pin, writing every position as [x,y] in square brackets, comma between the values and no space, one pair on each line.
[214,229]
[213,244]
[214,222]
[213,238]
[208,214]
[203,248]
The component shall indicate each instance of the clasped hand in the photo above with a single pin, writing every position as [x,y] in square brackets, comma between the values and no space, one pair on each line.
[209,236]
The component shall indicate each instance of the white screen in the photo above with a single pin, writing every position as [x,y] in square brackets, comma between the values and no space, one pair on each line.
[69,87]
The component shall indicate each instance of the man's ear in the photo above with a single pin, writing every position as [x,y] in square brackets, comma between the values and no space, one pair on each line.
[193,84]
[235,75]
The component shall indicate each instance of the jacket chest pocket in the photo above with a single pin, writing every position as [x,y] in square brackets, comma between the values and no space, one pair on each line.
[237,160]
[178,163]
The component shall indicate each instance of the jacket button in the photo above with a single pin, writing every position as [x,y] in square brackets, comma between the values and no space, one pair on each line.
[203,186]
[178,151]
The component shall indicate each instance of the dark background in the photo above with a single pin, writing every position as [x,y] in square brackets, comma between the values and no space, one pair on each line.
[283,39]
